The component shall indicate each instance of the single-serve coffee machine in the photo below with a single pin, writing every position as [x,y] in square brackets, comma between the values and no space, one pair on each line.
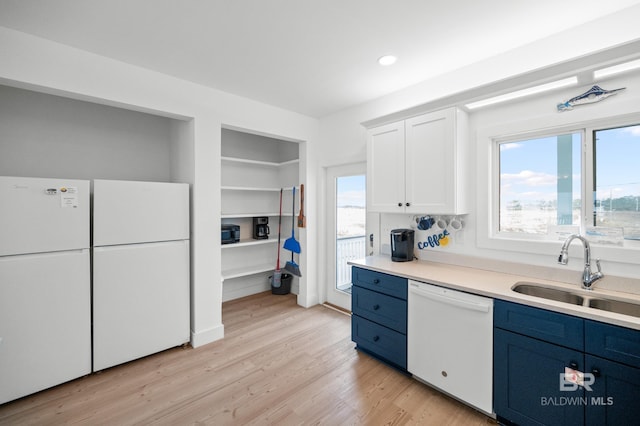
[402,241]
[260,228]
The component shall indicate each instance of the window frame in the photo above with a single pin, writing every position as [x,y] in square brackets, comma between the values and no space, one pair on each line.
[495,228]
[488,187]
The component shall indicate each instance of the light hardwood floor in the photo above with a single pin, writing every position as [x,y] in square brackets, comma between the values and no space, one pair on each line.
[278,364]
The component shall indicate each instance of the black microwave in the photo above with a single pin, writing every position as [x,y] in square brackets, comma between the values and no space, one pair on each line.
[230,234]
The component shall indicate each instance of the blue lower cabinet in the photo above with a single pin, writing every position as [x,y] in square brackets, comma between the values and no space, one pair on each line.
[614,398]
[380,341]
[527,387]
[533,346]
[379,315]
[382,309]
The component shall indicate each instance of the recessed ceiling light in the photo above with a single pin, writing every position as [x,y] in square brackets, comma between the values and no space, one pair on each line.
[387,60]
[524,92]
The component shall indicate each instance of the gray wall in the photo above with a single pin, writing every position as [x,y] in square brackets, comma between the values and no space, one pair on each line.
[44,135]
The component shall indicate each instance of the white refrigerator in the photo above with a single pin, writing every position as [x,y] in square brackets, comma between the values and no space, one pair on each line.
[141,293]
[45,284]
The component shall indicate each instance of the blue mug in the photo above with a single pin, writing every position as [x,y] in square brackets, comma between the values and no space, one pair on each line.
[425,222]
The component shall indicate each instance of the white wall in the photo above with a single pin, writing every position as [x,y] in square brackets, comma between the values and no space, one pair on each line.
[343,135]
[41,65]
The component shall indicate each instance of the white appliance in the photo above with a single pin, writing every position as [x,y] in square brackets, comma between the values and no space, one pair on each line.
[45,284]
[140,269]
[450,342]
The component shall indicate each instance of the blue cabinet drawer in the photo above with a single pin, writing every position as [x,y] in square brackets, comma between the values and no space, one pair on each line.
[380,341]
[377,281]
[613,342]
[380,308]
[561,329]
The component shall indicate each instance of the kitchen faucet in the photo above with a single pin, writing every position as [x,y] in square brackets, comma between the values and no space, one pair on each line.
[588,277]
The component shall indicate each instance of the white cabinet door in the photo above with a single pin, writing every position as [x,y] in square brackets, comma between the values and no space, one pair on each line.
[419,165]
[45,321]
[429,162]
[385,169]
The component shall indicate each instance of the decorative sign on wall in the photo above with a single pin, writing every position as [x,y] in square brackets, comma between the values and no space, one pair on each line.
[436,232]
[595,94]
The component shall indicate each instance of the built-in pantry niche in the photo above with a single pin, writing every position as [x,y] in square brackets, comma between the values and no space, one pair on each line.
[254,168]
[50,136]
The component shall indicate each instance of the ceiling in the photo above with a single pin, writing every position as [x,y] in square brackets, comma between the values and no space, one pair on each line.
[312,57]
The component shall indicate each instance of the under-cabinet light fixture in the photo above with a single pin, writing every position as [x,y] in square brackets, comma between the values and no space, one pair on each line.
[616,69]
[524,92]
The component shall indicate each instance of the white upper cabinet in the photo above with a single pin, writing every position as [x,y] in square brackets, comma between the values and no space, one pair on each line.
[385,168]
[419,165]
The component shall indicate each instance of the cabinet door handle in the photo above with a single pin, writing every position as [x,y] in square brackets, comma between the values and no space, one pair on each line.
[595,372]
[376,338]
[376,307]
[573,365]
[399,204]
[408,204]
[376,281]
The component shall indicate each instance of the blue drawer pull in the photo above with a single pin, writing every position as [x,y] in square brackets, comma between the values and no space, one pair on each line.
[376,281]
[376,307]
[376,338]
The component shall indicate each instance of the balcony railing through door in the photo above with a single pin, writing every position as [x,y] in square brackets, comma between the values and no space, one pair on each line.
[347,248]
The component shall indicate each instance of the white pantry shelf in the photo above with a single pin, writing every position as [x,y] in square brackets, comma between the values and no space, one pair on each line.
[254,169]
[248,188]
[240,215]
[249,242]
[255,188]
[259,163]
[246,271]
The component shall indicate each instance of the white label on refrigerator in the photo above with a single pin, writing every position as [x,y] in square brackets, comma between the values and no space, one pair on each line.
[69,196]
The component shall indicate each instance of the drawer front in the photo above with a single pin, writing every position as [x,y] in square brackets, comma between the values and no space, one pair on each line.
[613,342]
[380,308]
[564,330]
[377,281]
[380,341]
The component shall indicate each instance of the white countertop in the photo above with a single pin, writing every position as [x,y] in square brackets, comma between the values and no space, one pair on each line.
[498,285]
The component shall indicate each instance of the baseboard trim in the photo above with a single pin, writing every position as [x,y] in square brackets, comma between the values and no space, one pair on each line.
[207,336]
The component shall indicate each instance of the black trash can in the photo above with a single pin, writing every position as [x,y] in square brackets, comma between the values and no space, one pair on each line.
[285,284]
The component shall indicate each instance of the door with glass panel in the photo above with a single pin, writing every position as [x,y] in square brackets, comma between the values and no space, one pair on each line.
[346,220]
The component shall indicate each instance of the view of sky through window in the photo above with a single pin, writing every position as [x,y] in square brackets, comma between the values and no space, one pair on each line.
[541,185]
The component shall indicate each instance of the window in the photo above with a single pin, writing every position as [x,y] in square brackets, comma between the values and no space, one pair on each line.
[581,181]
[616,180]
[540,183]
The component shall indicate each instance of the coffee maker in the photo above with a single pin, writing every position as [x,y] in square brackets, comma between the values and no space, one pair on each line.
[260,228]
[402,241]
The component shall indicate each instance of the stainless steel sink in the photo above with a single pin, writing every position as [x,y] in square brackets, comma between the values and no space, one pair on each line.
[567,296]
[558,295]
[617,306]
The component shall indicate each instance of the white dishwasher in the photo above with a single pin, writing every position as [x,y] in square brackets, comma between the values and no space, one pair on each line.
[450,342]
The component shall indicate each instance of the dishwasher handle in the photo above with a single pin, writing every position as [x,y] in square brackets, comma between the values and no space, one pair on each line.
[464,304]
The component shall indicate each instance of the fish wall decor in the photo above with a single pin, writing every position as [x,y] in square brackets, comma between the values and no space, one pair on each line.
[595,94]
